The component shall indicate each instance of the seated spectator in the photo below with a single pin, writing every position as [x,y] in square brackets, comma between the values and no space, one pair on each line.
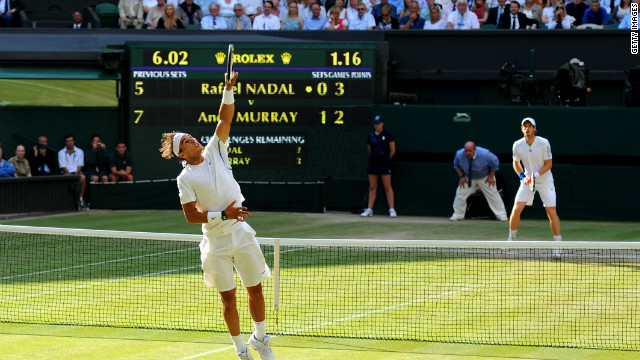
[576,8]
[343,11]
[404,9]
[154,14]
[448,8]
[131,14]
[121,164]
[96,161]
[307,11]
[170,20]
[532,10]
[204,4]
[363,21]
[335,23]
[146,6]
[496,12]
[78,22]
[435,22]
[462,18]
[252,8]
[239,21]
[6,169]
[412,21]
[626,21]
[424,10]
[20,163]
[387,22]
[548,11]
[376,11]
[515,20]
[482,12]
[10,13]
[226,8]
[560,18]
[42,161]
[71,161]
[293,21]
[276,8]
[189,13]
[266,20]
[596,15]
[620,11]
[315,21]
[213,21]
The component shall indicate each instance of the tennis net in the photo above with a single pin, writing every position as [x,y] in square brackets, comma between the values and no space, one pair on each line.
[484,292]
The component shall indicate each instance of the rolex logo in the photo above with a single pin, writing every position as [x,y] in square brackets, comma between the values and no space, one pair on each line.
[220,57]
[286,58]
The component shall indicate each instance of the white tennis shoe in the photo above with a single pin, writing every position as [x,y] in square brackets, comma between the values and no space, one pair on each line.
[367,212]
[392,213]
[262,347]
[246,355]
[557,253]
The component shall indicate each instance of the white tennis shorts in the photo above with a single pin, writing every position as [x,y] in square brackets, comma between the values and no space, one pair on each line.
[546,190]
[240,250]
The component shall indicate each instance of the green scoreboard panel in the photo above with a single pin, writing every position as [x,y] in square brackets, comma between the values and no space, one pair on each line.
[303,111]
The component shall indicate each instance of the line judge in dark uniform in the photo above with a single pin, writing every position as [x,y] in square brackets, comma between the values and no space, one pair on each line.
[382,147]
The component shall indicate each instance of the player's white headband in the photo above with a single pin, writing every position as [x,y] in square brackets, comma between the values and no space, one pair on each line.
[176,142]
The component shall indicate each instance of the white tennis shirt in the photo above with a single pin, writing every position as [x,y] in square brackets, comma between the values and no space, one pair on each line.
[533,156]
[211,185]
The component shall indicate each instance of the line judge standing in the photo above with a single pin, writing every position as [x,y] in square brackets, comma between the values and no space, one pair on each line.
[210,196]
[476,167]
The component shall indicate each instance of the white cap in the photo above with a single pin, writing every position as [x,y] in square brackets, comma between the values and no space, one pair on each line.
[575,61]
[529,119]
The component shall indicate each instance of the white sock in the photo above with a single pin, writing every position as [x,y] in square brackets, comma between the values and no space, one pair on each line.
[557,237]
[261,329]
[239,343]
[513,234]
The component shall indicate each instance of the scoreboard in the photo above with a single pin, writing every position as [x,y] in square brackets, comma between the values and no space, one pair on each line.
[303,111]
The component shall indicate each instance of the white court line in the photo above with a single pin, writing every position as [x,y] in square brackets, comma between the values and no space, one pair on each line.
[207,353]
[384,309]
[350,317]
[98,283]
[95,264]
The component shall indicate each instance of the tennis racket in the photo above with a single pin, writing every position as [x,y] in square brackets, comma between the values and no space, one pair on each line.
[531,181]
[230,64]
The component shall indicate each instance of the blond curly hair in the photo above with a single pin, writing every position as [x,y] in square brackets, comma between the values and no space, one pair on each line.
[167,145]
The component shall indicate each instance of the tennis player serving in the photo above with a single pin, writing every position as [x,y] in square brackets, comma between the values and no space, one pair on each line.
[535,153]
[210,196]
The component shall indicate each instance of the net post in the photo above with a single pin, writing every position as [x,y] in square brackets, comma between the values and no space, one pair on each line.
[276,279]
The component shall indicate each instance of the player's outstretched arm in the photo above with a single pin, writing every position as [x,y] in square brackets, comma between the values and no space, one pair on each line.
[227,109]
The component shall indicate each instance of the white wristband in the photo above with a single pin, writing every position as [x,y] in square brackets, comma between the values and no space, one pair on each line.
[227,97]
[213,216]
[536,174]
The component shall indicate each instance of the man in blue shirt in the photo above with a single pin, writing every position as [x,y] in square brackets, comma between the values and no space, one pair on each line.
[315,21]
[596,15]
[476,167]
[412,21]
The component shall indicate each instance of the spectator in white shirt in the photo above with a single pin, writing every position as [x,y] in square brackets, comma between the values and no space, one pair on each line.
[266,20]
[213,21]
[364,20]
[462,19]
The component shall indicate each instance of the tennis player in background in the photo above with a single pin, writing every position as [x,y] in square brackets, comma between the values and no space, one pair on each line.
[210,196]
[535,153]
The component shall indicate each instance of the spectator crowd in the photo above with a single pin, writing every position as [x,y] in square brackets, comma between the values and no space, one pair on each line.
[373,14]
[95,164]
